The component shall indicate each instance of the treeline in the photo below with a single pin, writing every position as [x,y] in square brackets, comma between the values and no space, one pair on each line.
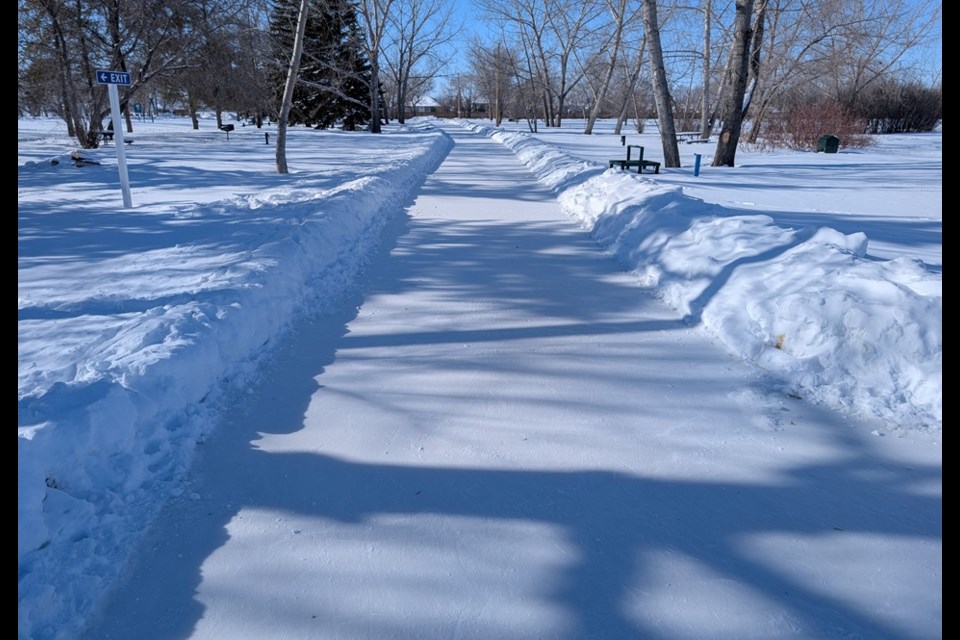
[697,66]
[761,69]
[361,58]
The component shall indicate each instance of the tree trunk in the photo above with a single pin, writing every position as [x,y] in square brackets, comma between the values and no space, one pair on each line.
[661,90]
[705,98]
[634,77]
[375,96]
[496,110]
[614,56]
[402,78]
[65,76]
[292,72]
[194,112]
[736,83]
[757,43]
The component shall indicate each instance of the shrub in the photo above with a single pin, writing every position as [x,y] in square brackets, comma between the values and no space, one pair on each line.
[896,106]
[801,126]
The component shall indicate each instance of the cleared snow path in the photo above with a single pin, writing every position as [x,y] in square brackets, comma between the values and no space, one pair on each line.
[508,439]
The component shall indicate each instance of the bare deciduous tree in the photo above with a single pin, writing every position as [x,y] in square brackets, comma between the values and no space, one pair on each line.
[661,88]
[374,21]
[142,38]
[550,33]
[835,50]
[705,123]
[621,20]
[495,69]
[218,27]
[756,48]
[525,23]
[571,26]
[418,30]
[292,72]
[874,37]
[736,82]
[631,78]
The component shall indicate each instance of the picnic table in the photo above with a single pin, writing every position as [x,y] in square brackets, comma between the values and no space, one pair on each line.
[691,137]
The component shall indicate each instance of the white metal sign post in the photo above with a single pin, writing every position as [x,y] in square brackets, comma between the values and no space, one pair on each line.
[112,79]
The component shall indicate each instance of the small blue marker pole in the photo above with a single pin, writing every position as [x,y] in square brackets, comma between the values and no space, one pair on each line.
[696,164]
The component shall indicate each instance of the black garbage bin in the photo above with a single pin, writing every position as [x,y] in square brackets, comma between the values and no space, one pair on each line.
[828,144]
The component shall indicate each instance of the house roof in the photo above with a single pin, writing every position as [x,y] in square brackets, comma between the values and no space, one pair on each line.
[427,101]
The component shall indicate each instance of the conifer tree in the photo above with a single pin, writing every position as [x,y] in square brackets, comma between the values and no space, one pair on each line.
[334,79]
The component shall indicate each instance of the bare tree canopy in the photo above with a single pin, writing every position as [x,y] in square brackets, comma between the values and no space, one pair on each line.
[419,32]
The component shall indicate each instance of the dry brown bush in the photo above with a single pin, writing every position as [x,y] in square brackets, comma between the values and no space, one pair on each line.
[801,126]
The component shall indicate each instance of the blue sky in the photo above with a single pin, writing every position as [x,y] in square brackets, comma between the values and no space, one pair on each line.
[928,59]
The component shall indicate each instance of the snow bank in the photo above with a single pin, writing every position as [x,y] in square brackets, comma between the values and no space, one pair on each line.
[101,445]
[860,335]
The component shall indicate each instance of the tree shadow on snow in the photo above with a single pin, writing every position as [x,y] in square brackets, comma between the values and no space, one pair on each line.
[612,531]
[611,526]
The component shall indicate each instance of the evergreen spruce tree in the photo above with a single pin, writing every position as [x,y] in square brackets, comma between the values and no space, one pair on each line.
[356,84]
[334,72]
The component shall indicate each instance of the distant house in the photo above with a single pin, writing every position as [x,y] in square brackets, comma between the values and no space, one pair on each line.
[425,106]
[470,109]
[428,106]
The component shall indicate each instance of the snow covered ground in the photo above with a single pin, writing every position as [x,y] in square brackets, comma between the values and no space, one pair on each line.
[138,328]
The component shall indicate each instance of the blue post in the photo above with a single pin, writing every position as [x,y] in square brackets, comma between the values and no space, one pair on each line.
[696,164]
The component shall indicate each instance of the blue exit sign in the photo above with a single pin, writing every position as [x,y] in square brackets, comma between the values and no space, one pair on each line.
[113,77]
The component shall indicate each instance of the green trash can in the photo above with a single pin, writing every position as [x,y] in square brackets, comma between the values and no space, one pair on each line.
[828,144]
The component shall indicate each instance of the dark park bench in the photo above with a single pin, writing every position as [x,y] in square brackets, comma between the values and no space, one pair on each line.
[639,162]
